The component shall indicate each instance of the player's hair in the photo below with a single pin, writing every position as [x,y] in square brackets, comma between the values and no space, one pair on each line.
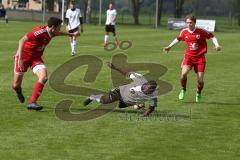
[152,83]
[192,18]
[73,2]
[54,21]
[111,3]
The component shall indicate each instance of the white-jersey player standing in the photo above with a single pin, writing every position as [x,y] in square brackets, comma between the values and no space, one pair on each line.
[110,24]
[73,22]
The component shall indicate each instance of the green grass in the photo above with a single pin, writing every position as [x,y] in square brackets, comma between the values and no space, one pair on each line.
[212,131]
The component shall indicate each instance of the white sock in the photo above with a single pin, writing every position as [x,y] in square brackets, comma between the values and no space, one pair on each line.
[71,46]
[96,97]
[106,37]
[74,46]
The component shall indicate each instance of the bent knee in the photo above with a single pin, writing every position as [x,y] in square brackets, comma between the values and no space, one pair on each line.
[184,75]
[16,86]
[43,79]
[200,81]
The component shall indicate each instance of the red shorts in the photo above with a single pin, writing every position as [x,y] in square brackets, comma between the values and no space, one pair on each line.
[27,62]
[198,63]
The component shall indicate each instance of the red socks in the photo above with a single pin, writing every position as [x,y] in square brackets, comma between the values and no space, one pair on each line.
[200,87]
[18,90]
[183,82]
[36,92]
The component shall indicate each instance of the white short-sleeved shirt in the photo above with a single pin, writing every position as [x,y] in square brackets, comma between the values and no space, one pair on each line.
[110,16]
[132,93]
[73,17]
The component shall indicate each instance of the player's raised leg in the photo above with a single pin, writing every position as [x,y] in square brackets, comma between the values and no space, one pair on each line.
[103,99]
[112,96]
[183,81]
[41,72]
[200,84]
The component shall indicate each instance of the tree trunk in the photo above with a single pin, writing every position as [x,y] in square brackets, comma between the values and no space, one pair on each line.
[159,16]
[238,11]
[136,4]
[87,13]
[178,6]
[67,4]
[50,5]
[238,19]
[135,13]
[175,8]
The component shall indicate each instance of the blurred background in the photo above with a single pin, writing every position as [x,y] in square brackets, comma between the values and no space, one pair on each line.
[138,12]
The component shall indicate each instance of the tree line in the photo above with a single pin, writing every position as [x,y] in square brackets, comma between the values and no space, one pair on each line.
[176,8]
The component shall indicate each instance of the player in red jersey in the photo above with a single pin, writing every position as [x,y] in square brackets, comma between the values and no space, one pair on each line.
[196,48]
[29,54]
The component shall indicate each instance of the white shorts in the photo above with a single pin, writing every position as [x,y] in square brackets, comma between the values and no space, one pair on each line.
[38,67]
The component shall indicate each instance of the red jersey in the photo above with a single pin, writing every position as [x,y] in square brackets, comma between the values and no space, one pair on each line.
[196,44]
[38,40]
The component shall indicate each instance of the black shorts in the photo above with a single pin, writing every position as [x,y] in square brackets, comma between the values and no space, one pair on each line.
[116,92]
[110,28]
[73,30]
[112,96]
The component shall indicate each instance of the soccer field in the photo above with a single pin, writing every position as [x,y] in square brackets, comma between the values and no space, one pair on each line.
[179,130]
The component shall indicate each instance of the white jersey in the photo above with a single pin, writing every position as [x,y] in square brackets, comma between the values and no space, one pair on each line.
[73,17]
[111,14]
[132,93]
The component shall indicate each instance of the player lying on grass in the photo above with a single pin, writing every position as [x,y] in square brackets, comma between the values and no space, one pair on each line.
[137,92]
[196,48]
[29,54]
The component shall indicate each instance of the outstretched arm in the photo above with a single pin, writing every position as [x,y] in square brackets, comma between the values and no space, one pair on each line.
[151,107]
[148,111]
[122,71]
[215,42]
[167,49]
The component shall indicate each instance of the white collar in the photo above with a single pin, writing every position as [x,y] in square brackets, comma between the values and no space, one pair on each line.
[191,31]
[137,88]
[48,32]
